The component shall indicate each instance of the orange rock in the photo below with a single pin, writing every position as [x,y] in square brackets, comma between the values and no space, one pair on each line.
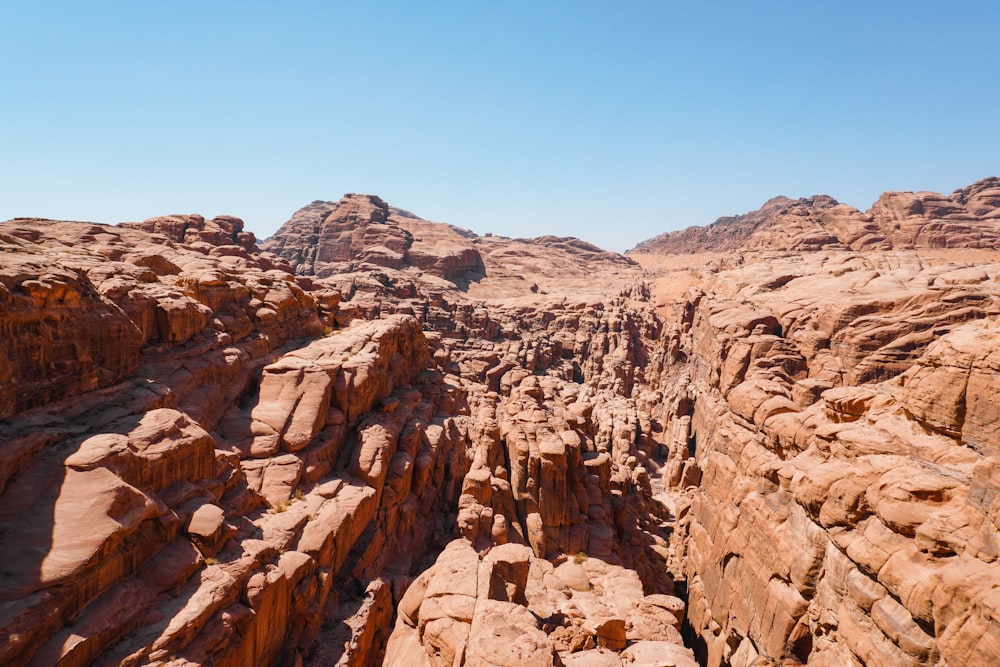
[806,439]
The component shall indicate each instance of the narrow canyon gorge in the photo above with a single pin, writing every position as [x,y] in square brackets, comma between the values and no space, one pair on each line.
[373,439]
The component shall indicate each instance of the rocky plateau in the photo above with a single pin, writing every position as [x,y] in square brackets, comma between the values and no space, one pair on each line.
[374,439]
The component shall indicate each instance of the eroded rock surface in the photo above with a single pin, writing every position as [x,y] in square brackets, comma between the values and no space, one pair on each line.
[968,218]
[383,440]
[834,406]
[276,457]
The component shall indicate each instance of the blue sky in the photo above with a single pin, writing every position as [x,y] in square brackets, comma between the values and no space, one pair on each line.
[609,121]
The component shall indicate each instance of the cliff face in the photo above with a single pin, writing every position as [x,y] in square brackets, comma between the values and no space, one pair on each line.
[837,410]
[327,238]
[561,550]
[383,440]
[209,460]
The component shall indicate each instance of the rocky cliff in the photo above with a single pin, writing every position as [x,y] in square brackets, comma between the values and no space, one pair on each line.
[968,218]
[375,439]
[208,459]
[842,424]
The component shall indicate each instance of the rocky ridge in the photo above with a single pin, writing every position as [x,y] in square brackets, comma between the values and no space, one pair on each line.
[968,218]
[845,512]
[560,450]
[273,458]
[376,439]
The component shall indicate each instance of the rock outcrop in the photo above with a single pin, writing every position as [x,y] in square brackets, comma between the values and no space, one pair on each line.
[204,495]
[834,407]
[968,218]
[360,243]
[508,607]
[376,439]
[362,231]
[272,458]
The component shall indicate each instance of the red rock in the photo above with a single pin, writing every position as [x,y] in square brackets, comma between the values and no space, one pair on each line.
[806,440]
[864,485]
[206,523]
[657,654]
[966,219]
[504,633]
[59,336]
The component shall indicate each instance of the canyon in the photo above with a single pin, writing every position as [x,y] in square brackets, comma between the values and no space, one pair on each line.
[375,439]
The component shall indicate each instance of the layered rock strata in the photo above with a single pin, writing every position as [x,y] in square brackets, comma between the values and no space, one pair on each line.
[382,440]
[838,410]
[550,340]
[207,492]
[278,456]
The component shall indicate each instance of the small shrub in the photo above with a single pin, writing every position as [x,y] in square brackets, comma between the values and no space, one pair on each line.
[580,557]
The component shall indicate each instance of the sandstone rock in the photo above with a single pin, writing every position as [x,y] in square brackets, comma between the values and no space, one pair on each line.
[505,633]
[60,336]
[599,657]
[805,439]
[365,230]
[656,617]
[657,654]
[897,220]
[206,523]
[486,610]
[244,410]
[862,478]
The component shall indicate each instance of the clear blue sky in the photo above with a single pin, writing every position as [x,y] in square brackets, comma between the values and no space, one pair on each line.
[609,121]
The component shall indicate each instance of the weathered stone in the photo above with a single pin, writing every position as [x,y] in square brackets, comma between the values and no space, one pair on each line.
[214,454]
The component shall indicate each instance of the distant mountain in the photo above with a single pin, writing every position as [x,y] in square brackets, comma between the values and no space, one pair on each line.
[968,218]
[363,233]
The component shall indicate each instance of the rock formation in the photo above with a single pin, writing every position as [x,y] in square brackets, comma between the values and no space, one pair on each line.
[844,512]
[375,439]
[325,238]
[208,459]
[968,218]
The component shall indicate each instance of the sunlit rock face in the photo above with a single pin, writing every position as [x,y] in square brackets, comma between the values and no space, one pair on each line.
[968,218]
[835,406]
[375,439]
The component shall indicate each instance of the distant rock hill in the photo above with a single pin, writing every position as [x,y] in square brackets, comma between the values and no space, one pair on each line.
[363,229]
[362,241]
[968,218]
